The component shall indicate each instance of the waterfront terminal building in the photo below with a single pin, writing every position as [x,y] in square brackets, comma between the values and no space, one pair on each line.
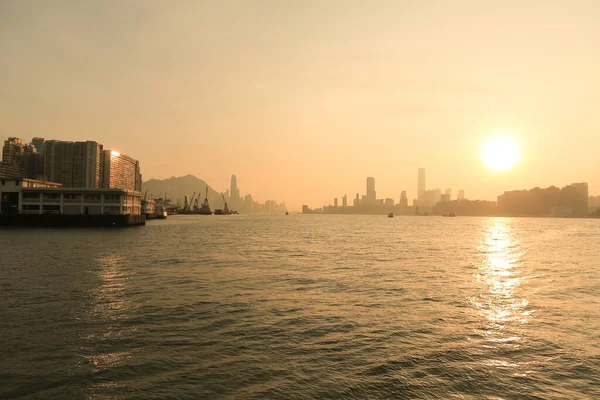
[26,201]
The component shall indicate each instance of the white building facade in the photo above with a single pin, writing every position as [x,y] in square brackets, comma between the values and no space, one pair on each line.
[26,196]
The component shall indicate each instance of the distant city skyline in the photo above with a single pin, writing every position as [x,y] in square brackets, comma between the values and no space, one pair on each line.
[325,94]
[426,199]
[572,200]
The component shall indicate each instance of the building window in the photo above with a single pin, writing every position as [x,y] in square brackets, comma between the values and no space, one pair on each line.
[3,182]
[51,209]
[31,196]
[16,183]
[115,210]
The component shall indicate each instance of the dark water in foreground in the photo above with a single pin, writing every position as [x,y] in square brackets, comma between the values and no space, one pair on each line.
[303,307]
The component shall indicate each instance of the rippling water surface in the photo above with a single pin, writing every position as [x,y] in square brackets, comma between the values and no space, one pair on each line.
[303,307]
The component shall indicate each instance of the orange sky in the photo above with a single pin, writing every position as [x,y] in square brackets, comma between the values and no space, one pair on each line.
[305,99]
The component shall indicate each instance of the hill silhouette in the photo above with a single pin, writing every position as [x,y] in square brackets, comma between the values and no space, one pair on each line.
[175,188]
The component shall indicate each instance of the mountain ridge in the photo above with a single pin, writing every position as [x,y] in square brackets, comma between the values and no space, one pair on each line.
[176,188]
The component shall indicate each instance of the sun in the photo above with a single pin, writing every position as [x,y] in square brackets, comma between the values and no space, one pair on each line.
[500,153]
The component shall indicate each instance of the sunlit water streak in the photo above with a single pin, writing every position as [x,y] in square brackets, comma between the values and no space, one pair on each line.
[303,307]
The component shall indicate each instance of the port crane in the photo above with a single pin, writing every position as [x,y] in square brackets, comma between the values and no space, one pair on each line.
[191,202]
[225,207]
[205,204]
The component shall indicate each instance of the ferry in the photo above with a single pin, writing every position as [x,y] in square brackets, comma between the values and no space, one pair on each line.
[152,210]
[391,215]
[159,213]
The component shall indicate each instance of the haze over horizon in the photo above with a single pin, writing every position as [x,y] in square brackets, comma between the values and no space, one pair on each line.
[304,100]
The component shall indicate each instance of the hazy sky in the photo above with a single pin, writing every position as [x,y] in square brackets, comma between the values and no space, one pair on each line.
[305,99]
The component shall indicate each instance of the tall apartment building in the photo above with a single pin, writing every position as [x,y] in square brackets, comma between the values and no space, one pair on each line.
[21,160]
[33,162]
[121,172]
[74,164]
[12,151]
[88,164]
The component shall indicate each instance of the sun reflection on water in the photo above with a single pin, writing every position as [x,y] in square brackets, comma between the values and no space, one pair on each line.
[500,274]
[501,307]
[111,309]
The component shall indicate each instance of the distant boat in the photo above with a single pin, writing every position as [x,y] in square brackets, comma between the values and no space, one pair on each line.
[159,213]
[391,215]
[172,210]
[205,208]
[287,213]
[225,210]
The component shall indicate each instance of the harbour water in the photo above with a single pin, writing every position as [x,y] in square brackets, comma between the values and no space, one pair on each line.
[303,306]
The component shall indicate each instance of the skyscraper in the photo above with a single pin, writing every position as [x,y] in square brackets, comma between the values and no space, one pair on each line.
[234,192]
[403,199]
[248,203]
[461,195]
[345,201]
[371,194]
[422,188]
